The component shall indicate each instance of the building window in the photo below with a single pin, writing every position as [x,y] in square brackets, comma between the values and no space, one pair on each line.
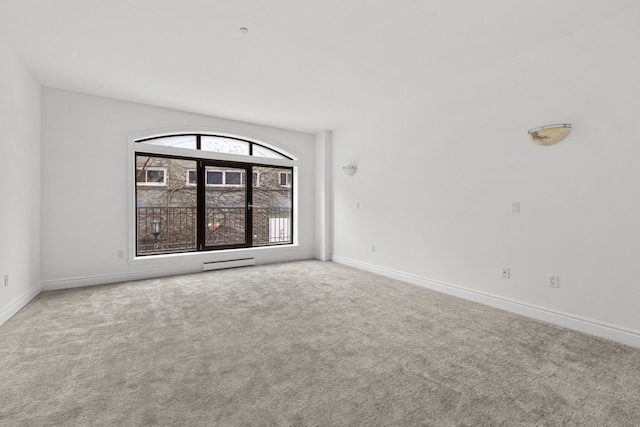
[197,203]
[192,177]
[151,176]
[215,177]
[221,178]
[285,179]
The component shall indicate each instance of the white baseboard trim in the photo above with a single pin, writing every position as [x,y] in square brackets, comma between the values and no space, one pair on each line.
[16,305]
[151,273]
[290,257]
[321,256]
[105,279]
[577,323]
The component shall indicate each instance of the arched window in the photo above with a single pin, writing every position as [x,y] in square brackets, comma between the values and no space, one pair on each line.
[215,144]
[197,192]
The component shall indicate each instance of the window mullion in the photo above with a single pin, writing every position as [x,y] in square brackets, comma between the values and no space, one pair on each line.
[248,183]
[200,211]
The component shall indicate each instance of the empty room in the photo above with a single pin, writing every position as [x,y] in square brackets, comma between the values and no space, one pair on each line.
[319,213]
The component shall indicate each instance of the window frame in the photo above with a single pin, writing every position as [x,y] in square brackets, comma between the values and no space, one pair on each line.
[139,147]
[202,244]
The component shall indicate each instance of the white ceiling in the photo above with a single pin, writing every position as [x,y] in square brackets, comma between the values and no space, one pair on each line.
[303,65]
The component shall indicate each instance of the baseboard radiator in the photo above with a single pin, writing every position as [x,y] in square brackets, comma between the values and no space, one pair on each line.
[230,263]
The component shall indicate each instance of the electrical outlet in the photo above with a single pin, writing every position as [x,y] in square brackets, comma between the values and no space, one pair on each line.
[6,280]
[373,248]
[120,254]
[506,272]
[554,281]
[515,207]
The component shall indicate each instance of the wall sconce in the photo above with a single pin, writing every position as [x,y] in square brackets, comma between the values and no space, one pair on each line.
[549,135]
[350,169]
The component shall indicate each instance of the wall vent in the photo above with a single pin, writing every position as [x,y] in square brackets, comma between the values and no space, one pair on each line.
[217,265]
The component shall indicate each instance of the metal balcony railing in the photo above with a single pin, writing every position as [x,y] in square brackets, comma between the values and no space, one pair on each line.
[223,226]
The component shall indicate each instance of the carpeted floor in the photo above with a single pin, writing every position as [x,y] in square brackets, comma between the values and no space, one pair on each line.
[301,344]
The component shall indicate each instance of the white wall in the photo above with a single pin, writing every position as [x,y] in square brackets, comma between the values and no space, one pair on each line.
[437,173]
[85,201]
[19,184]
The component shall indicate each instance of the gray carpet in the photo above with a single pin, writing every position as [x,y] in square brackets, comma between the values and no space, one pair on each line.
[297,344]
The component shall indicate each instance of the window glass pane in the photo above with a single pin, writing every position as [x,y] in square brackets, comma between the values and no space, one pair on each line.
[181,141]
[192,177]
[260,151]
[166,216]
[256,179]
[271,207]
[214,177]
[155,175]
[221,144]
[225,210]
[233,178]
